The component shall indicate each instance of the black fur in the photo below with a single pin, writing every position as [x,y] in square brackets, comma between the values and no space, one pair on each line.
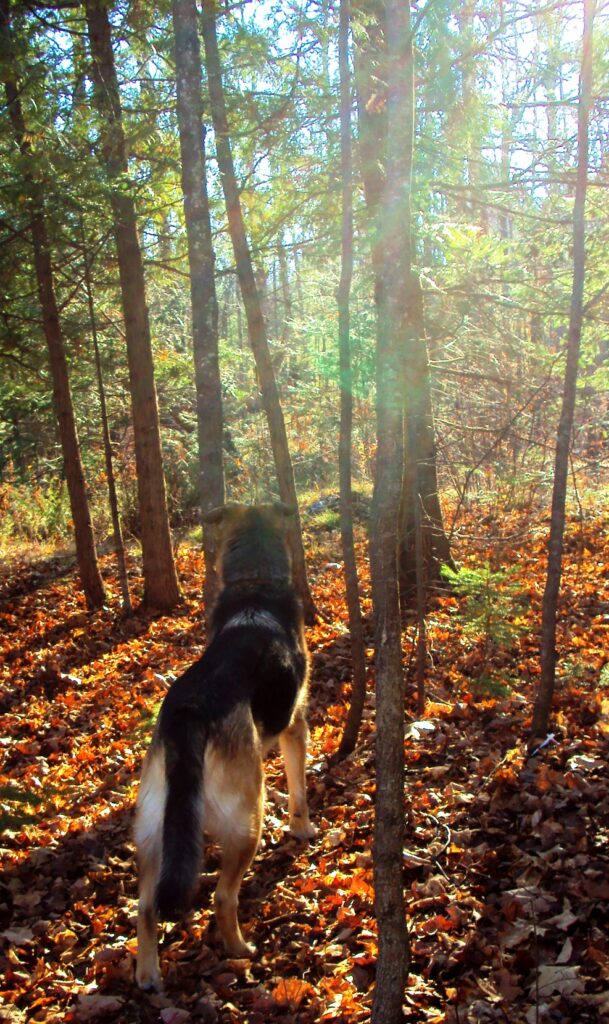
[185,738]
[260,663]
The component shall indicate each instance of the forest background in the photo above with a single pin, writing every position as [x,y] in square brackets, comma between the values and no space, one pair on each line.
[491,194]
[492,198]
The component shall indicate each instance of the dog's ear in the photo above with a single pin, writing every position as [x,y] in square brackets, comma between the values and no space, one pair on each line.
[215,514]
[286,510]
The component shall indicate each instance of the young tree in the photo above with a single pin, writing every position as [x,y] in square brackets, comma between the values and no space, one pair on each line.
[202,282]
[62,398]
[161,588]
[119,547]
[543,702]
[392,269]
[356,628]
[252,304]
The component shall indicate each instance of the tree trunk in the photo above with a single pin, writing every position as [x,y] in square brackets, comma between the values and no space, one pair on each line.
[119,547]
[420,581]
[545,693]
[202,283]
[371,114]
[253,309]
[420,450]
[358,692]
[372,118]
[161,588]
[62,398]
[392,298]
[284,280]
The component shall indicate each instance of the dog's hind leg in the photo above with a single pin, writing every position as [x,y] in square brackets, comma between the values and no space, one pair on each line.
[239,843]
[148,974]
[293,742]
[149,841]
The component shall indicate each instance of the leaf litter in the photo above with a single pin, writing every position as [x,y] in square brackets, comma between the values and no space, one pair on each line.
[506,858]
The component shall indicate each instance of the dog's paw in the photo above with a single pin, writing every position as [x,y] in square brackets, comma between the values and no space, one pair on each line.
[302,828]
[240,950]
[149,980]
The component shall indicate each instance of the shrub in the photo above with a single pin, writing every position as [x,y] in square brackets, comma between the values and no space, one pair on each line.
[491,617]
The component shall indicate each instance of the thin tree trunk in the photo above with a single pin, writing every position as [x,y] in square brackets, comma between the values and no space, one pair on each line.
[392,297]
[421,589]
[239,318]
[284,280]
[545,693]
[86,555]
[161,588]
[253,309]
[298,261]
[202,283]
[371,115]
[358,692]
[119,547]
[420,449]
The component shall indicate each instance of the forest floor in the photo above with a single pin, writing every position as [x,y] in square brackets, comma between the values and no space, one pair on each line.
[506,865]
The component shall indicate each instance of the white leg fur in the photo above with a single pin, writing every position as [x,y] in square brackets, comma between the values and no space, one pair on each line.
[151,801]
[293,742]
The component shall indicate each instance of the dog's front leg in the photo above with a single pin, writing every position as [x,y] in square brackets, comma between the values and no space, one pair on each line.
[293,742]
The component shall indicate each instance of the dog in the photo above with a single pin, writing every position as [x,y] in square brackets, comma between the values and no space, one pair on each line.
[203,770]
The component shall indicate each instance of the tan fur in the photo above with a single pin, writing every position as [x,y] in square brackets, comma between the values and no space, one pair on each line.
[233,814]
[149,840]
[233,804]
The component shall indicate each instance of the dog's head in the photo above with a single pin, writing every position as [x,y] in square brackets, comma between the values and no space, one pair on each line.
[251,542]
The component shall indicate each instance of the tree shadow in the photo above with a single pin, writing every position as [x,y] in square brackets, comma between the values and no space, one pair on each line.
[19,579]
[73,901]
[71,906]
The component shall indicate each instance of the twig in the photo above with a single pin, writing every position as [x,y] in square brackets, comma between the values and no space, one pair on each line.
[446,828]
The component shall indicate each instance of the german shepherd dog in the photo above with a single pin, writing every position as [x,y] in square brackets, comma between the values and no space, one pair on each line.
[203,770]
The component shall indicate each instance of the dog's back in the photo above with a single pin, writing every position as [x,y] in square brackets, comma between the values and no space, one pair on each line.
[257,657]
[204,767]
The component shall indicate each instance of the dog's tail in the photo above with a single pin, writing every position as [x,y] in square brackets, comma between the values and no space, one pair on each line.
[185,741]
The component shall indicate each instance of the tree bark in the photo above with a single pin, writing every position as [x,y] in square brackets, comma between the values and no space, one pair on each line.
[370,76]
[161,588]
[86,555]
[253,309]
[545,693]
[202,282]
[392,297]
[284,280]
[119,547]
[356,628]
[421,463]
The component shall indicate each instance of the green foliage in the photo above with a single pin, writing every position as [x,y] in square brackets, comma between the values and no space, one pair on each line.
[33,512]
[494,160]
[18,806]
[492,603]
[328,519]
[491,618]
[493,683]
